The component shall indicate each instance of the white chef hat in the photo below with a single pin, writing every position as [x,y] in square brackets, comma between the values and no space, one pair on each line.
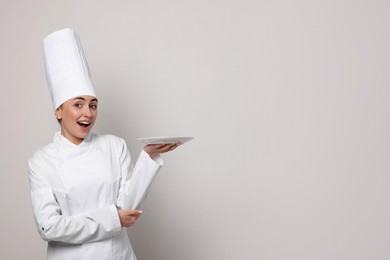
[66,68]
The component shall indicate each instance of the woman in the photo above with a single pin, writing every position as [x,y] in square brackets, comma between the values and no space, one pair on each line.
[85,190]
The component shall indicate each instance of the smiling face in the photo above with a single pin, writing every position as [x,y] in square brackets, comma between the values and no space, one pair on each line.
[77,117]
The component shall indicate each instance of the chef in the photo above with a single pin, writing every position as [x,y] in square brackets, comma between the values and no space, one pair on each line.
[85,188]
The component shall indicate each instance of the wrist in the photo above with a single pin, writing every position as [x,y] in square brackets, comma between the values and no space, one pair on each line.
[151,154]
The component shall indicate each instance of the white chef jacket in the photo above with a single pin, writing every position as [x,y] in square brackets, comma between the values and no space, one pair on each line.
[76,191]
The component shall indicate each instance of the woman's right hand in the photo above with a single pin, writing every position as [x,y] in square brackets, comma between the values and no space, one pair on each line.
[128,216]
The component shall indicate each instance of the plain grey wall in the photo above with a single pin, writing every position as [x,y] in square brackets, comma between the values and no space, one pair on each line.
[288,102]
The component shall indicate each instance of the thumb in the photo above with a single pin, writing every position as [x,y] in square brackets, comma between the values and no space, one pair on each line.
[134,212]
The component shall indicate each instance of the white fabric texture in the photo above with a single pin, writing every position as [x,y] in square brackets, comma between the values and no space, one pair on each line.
[66,67]
[77,190]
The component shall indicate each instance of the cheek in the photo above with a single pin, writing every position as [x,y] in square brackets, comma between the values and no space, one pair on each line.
[71,115]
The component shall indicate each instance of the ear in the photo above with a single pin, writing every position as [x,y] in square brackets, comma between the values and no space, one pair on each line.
[58,113]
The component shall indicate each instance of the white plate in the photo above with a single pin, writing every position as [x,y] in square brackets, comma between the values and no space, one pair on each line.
[164,140]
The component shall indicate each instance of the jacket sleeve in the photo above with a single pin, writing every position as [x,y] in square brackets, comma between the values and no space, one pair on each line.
[98,224]
[136,181]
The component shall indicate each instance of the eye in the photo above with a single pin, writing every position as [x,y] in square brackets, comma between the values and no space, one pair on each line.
[78,105]
[93,106]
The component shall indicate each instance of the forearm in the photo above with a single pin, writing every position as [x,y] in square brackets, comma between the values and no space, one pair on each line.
[92,226]
[134,191]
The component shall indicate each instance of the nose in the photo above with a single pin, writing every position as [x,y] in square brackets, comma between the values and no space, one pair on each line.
[87,111]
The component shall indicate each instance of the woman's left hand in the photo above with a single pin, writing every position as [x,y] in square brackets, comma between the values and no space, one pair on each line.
[155,149]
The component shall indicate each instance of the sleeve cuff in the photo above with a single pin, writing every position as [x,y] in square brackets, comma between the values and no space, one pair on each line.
[115,217]
[158,160]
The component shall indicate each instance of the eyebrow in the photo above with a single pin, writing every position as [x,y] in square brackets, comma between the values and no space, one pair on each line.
[94,99]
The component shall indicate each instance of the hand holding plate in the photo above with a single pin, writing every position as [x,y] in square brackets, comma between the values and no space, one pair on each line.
[155,149]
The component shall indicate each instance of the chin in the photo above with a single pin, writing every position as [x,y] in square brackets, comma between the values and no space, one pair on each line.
[82,135]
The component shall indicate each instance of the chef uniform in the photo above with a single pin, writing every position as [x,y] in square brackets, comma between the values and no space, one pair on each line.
[76,190]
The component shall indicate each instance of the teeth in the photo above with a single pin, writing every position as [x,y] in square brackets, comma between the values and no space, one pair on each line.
[84,123]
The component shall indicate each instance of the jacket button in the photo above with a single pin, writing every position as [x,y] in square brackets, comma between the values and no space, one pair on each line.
[43,229]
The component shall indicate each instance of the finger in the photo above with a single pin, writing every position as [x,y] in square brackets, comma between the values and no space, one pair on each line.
[175,146]
[163,150]
[131,212]
[163,147]
[135,212]
[170,147]
[154,146]
[130,220]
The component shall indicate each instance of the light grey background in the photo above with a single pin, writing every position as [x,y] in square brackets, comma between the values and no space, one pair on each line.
[288,102]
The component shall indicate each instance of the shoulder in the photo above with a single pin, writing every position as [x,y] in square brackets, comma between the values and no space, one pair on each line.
[39,161]
[40,154]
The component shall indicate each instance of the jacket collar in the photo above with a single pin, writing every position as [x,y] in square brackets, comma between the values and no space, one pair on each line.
[64,142]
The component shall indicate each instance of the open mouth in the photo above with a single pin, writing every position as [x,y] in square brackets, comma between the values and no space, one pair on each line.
[84,124]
